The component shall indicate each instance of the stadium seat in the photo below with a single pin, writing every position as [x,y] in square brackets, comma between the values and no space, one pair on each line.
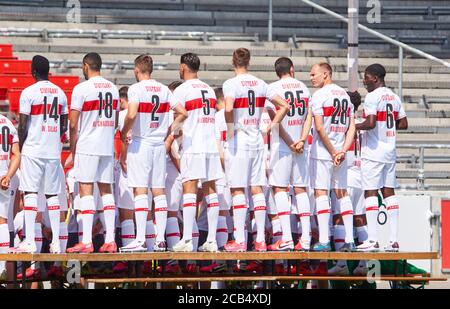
[15,66]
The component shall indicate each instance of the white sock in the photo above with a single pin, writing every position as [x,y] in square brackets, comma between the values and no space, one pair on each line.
[212,202]
[30,211]
[172,232]
[323,217]
[160,216]
[63,236]
[253,228]
[53,206]
[189,214]
[372,217]
[276,230]
[150,236]
[100,216]
[109,211]
[4,243]
[239,217]
[339,240]
[222,231]
[392,207]
[284,213]
[345,205]
[259,209]
[195,236]
[361,233]
[38,237]
[87,210]
[140,212]
[127,235]
[304,212]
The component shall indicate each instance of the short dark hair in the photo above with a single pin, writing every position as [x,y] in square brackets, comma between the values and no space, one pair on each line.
[376,69]
[174,85]
[191,60]
[241,57]
[123,92]
[40,65]
[144,63]
[283,66]
[219,93]
[94,61]
[327,67]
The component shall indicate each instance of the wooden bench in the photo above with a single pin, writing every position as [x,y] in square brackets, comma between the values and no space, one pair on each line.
[292,257]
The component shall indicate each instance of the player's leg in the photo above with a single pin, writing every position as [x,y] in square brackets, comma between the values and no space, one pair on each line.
[321,172]
[371,177]
[304,214]
[4,230]
[212,212]
[357,197]
[392,205]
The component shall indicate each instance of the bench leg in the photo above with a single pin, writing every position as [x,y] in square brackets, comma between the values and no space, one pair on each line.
[15,283]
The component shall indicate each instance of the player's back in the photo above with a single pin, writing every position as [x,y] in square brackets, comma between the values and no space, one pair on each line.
[199,101]
[97,100]
[379,143]
[155,101]
[8,136]
[44,102]
[333,103]
[249,93]
[297,96]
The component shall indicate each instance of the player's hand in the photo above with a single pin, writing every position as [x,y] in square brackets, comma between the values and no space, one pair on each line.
[338,158]
[5,181]
[293,148]
[300,146]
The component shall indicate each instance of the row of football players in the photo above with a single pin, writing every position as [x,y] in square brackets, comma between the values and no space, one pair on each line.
[147,135]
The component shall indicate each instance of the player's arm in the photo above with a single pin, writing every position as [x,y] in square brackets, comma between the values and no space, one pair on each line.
[73,130]
[350,136]
[13,166]
[282,109]
[368,124]
[283,134]
[229,117]
[320,130]
[180,116]
[63,124]
[300,144]
[22,130]
[402,122]
[129,120]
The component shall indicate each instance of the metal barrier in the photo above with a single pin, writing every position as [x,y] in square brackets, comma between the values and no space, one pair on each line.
[421,159]
[116,66]
[150,35]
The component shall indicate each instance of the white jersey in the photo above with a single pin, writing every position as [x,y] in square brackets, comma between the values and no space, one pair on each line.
[121,120]
[379,143]
[297,95]
[221,127]
[333,103]
[199,100]
[8,136]
[152,120]
[249,94]
[44,102]
[97,99]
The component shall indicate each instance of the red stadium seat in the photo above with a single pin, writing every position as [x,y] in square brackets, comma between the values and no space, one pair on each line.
[14,81]
[65,82]
[14,100]
[15,66]
[6,51]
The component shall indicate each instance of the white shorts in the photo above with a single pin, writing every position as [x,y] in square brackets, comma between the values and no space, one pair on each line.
[92,168]
[377,175]
[225,199]
[357,197]
[125,197]
[245,168]
[146,165]
[288,169]
[201,166]
[40,174]
[174,188]
[5,202]
[326,176]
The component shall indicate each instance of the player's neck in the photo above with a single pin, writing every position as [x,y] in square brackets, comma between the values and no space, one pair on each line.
[286,76]
[327,82]
[240,70]
[41,78]
[190,76]
[144,77]
[94,74]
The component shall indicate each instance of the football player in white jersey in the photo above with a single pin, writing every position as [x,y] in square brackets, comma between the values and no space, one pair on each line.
[287,167]
[200,159]
[384,114]
[245,97]
[149,103]
[9,163]
[43,120]
[93,118]
[334,129]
